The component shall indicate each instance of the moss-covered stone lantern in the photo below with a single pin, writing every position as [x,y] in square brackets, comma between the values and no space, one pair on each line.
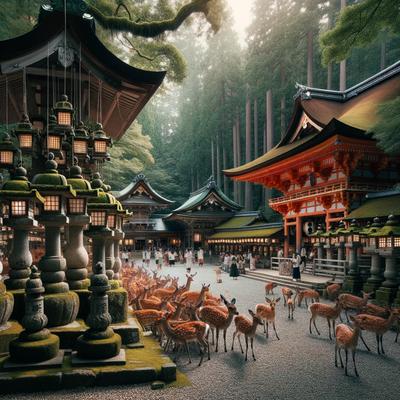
[64,113]
[75,252]
[20,200]
[61,305]
[388,237]
[329,242]
[340,241]
[8,152]
[318,242]
[25,134]
[81,142]
[100,143]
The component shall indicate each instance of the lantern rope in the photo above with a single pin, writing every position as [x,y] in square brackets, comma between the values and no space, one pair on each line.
[48,98]
[80,81]
[24,91]
[65,46]
[89,99]
[6,103]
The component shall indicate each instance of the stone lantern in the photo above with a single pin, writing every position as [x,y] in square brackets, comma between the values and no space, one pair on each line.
[64,113]
[25,135]
[75,252]
[330,240]
[100,143]
[61,305]
[353,282]
[389,247]
[20,201]
[371,247]
[318,242]
[81,142]
[340,241]
[8,153]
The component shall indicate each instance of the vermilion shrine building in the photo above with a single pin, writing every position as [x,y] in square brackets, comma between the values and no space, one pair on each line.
[327,161]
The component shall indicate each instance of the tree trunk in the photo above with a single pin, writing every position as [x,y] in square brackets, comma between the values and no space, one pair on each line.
[342,67]
[383,54]
[283,101]
[212,159]
[218,169]
[248,187]
[224,164]
[235,161]
[310,58]
[255,127]
[239,158]
[269,134]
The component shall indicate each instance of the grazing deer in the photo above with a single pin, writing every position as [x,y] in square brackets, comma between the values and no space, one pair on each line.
[194,297]
[286,293]
[377,325]
[291,305]
[333,290]
[266,312]
[248,329]
[347,339]
[331,314]
[218,319]
[269,287]
[183,334]
[351,302]
[305,294]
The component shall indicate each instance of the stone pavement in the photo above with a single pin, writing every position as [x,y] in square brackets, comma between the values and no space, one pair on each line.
[299,366]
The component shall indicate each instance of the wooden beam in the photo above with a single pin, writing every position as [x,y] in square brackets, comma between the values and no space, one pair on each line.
[111,108]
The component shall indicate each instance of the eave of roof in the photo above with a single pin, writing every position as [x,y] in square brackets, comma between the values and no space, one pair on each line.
[248,233]
[377,207]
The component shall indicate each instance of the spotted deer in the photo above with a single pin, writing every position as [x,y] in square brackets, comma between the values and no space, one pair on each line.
[185,333]
[269,287]
[248,328]
[347,339]
[351,302]
[218,319]
[291,303]
[305,294]
[377,325]
[186,287]
[286,293]
[196,297]
[321,310]
[333,290]
[266,312]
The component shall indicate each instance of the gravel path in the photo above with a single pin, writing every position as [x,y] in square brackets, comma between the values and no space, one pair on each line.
[299,366]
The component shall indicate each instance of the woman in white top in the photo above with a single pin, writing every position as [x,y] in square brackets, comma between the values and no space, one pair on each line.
[226,262]
[252,262]
[200,257]
[296,261]
[159,259]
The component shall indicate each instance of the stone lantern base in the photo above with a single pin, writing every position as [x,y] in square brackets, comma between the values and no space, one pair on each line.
[352,284]
[385,296]
[98,345]
[61,308]
[35,347]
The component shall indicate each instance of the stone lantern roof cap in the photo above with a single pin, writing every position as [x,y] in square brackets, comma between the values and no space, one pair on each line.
[63,104]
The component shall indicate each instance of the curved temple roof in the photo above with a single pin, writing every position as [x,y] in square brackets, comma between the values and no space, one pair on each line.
[318,114]
[124,89]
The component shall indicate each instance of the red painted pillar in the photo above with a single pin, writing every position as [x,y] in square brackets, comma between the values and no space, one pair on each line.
[299,234]
[286,242]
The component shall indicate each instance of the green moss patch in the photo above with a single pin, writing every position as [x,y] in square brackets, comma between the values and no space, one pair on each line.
[38,351]
[98,349]
[9,334]
[61,308]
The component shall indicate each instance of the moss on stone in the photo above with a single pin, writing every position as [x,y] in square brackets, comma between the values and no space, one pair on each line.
[37,351]
[114,284]
[7,335]
[61,308]
[98,349]
[6,307]
[118,305]
[19,304]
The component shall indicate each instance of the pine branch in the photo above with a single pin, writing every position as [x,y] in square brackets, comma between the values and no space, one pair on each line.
[123,5]
[134,48]
[151,29]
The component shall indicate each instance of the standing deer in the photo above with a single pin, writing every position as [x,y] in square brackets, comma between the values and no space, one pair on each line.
[351,302]
[286,293]
[291,305]
[305,294]
[269,287]
[194,297]
[186,288]
[218,319]
[183,334]
[331,314]
[266,312]
[333,290]
[377,325]
[248,329]
[347,339]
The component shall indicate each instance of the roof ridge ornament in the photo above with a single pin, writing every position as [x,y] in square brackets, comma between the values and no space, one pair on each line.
[76,7]
[211,184]
[140,177]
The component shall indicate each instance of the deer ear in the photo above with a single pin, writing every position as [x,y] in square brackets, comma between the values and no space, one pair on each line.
[209,285]
[233,301]
[352,318]
[251,312]
[277,300]
[267,299]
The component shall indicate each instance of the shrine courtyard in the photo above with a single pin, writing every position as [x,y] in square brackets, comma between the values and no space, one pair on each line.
[298,366]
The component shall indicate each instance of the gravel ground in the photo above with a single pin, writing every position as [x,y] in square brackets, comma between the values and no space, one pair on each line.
[298,366]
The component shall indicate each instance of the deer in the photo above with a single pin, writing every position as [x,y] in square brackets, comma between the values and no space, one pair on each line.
[286,292]
[378,311]
[347,339]
[333,290]
[291,305]
[148,318]
[186,287]
[248,329]
[269,287]
[218,319]
[377,325]
[351,302]
[194,297]
[183,334]
[162,293]
[266,312]
[331,314]
[305,294]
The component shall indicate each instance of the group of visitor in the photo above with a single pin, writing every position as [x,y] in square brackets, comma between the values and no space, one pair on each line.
[235,264]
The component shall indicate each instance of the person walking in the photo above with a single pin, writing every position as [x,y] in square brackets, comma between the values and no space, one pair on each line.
[189,260]
[226,262]
[252,262]
[234,271]
[296,261]
[200,257]
[159,259]
[303,255]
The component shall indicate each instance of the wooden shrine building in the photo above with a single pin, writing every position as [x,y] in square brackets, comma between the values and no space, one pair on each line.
[145,228]
[202,212]
[327,162]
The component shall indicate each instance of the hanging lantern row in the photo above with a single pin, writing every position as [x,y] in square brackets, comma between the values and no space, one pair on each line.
[62,138]
[243,241]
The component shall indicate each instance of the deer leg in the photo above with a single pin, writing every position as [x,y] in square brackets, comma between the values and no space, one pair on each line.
[305,299]
[377,342]
[354,362]
[340,357]
[347,356]
[365,344]
[310,325]
[247,346]
[383,351]
[240,342]
[252,348]
[397,335]
[284,301]
[336,350]
[201,353]
[188,352]
[267,328]
[225,341]
[216,345]
[315,326]
[212,336]
[233,340]
[273,324]
[347,315]
[334,327]
[329,325]
[264,326]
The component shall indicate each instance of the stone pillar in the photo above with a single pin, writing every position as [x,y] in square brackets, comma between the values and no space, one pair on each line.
[119,235]
[99,341]
[353,282]
[320,250]
[109,255]
[20,258]
[76,255]
[341,251]
[386,293]
[35,343]
[329,251]
[376,273]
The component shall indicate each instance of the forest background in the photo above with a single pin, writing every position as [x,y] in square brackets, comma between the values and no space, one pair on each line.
[186,133]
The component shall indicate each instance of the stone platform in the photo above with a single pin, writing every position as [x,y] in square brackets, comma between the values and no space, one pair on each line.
[143,365]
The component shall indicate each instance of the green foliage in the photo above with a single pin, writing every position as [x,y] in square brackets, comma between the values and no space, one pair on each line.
[387,130]
[358,26]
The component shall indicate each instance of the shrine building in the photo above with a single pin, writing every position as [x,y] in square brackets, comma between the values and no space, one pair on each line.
[328,160]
